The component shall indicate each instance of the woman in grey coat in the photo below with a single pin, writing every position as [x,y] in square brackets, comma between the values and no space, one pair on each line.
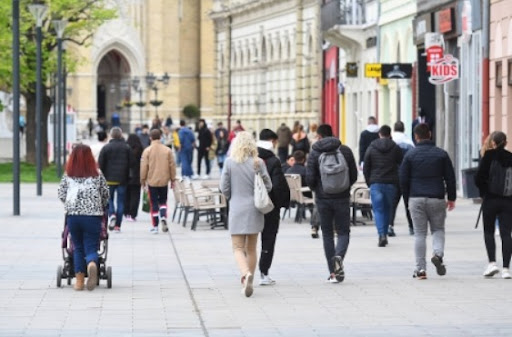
[245,221]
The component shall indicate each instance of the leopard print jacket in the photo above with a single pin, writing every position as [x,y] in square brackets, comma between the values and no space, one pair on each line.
[84,196]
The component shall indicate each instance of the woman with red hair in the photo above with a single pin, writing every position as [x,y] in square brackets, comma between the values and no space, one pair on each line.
[84,192]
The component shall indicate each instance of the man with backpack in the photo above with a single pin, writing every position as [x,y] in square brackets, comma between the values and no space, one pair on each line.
[331,170]
[426,176]
[280,196]
[380,170]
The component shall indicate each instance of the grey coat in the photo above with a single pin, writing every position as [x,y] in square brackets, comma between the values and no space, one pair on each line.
[237,184]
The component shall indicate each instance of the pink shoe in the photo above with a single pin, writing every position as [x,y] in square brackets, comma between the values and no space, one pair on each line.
[128,218]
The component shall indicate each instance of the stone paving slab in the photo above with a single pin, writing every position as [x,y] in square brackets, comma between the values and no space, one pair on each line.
[196,291]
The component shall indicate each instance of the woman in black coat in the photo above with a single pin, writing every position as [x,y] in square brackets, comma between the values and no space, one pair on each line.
[495,205]
[133,189]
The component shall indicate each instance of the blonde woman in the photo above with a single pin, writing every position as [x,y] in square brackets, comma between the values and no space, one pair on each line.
[487,145]
[245,221]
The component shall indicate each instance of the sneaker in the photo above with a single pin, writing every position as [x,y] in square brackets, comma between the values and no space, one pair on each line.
[154,230]
[420,274]
[491,270]
[163,223]
[195,177]
[266,280]
[505,274]
[129,218]
[206,177]
[247,289]
[391,231]
[314,232]
[339,272]
[440,267]
[117,229]
[111,222]
[332,279]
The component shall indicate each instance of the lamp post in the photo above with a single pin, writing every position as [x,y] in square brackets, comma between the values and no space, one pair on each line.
[59,26]
[151,81]
[16,105]
[39,12]
[137,86]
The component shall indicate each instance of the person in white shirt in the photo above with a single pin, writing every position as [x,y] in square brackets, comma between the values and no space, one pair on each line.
[96,147]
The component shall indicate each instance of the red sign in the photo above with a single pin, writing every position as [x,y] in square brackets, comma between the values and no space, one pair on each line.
[444,70]
[434,53]
[445,20]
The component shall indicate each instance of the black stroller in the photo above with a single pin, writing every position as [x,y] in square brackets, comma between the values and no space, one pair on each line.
[68,271]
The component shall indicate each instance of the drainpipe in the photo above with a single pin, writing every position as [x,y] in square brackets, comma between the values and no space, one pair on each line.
[229,73]
[485,70]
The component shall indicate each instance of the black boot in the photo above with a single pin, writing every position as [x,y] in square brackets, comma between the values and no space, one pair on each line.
[382,241]
[391,231]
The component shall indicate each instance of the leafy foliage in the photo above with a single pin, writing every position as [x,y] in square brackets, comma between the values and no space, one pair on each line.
[191,111]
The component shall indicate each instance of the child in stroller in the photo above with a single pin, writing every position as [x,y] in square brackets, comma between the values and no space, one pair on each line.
[68,271]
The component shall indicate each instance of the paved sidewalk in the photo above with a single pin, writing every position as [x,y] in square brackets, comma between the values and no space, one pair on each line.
[196,291]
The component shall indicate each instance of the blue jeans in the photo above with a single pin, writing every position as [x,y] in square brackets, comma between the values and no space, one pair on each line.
[85,234]
[382,196]
[158,200]
[337,212]
[186,162]
[121,191]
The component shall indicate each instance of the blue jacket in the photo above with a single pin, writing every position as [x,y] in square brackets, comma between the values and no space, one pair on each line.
[427,171]
[187,139]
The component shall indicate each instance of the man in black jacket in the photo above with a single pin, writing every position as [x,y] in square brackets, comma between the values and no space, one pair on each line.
[381,163]
[280,196]
[424,173]
[332,207]
[115,161]
[367,137]
[205,141]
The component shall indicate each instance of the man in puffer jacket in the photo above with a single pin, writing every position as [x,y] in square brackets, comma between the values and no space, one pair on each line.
[115,161]
[380,170]
[332,208]
[367,137]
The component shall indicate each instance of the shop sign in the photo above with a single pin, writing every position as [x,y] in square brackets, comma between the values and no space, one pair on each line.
[444,70]
[372,69]
[351,68]
[396,70]
[445,20]
[434,53]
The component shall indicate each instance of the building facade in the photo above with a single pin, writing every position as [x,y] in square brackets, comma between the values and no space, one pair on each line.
[158,37]
[500,68]
[268,62]
[396,46]
[351,26]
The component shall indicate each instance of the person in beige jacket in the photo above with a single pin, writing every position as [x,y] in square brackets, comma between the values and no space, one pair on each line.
[157,171]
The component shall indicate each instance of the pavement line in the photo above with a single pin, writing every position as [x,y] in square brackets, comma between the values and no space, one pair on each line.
[190,293]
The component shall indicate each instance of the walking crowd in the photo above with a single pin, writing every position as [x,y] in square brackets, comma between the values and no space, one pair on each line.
[254,181]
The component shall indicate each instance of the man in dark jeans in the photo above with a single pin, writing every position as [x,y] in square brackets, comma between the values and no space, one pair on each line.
[115,161]
[332,207]
[280,196]
[205,141]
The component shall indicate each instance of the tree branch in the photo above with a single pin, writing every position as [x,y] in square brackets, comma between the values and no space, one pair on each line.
[80,43]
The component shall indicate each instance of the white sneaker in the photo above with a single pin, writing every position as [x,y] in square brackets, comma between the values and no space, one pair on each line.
[266,280]
[206,177]
[111,222]
[195,177]
[154,230]
[163,223]
[491,270]
[505,273]
[332,279]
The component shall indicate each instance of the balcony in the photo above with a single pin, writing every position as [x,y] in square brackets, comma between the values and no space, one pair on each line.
[343,12]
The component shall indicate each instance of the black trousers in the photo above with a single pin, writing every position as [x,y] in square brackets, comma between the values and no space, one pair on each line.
[393,212]
[282,152]
[501,209]
[200,155]
[132,200]
[268,240]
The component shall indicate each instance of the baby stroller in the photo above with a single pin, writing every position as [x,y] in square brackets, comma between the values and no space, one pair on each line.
[68,271]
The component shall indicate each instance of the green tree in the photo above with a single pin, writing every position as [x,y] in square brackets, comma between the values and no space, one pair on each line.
[84,17]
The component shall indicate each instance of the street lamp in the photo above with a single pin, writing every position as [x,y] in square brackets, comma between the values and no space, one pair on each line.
[59,26]
[39,12]
[151,81]
[16,105]
[137,86]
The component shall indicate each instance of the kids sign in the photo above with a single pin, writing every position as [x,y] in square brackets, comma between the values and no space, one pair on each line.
[444,70]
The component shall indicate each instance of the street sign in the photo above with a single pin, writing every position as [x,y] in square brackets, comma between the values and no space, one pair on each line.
[372,69]
[396,70]
[444,70]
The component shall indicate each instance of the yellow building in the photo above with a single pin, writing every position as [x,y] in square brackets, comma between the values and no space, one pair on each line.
[149,36]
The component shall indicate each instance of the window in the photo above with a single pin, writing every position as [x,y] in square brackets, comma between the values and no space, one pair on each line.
[499,74]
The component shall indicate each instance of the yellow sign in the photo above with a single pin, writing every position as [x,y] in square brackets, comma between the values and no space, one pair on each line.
[372,69]
[383,81]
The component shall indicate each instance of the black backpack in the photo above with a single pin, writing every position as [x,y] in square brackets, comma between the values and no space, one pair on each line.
[500,179]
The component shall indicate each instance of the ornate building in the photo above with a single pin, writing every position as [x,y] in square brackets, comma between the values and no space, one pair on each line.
[268,62]
[149,36]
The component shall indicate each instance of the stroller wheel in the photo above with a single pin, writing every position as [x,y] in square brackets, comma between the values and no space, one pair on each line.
[109,277]
[69,281]
[59,276]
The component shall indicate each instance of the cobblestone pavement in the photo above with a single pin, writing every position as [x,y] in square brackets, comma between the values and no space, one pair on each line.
[186,283]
